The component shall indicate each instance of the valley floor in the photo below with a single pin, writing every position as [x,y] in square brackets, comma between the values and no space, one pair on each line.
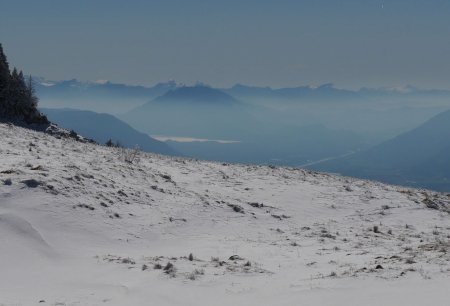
[81,226]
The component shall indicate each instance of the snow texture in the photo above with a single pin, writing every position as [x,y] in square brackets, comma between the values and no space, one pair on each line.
[80,225]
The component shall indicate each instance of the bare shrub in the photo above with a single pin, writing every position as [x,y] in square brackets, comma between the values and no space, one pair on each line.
[131,156]
[191,276]
[199,271]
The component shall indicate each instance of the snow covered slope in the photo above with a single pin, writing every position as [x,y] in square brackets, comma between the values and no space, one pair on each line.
[81,226]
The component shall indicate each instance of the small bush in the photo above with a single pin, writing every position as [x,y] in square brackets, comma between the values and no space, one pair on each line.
[191,276]
[73,134]
[128,261]
[169,267]
[131,156]
[409,261]
[109,143]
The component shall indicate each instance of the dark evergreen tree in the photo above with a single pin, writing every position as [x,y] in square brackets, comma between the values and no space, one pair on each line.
[12,95]
[17,98]
[109,143]
[31,93]
[4,81]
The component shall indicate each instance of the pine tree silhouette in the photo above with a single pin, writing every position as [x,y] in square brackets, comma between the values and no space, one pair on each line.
[17,98]
[4,81]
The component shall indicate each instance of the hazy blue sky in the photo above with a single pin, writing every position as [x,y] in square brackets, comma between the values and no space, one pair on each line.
[351,43]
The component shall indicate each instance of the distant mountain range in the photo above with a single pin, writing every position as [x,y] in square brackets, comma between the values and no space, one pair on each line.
[323,92]
[97,96]
[330,93]
[120,98]
[378,114]
[419,158]
[102,127]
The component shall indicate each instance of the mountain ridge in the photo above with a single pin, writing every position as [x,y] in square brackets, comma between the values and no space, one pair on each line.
[404,159]
[103,127]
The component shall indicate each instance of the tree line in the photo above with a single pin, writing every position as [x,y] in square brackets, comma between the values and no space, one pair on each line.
[18,100]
